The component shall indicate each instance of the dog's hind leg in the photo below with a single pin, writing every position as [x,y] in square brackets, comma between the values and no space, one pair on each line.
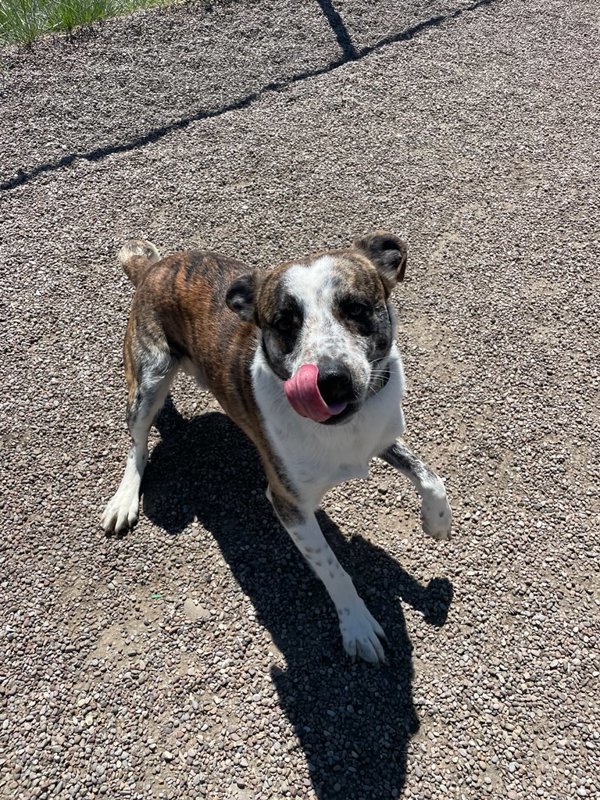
[436,515]
[150,373]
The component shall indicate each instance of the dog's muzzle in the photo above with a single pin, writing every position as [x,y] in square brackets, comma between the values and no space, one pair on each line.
[318,396]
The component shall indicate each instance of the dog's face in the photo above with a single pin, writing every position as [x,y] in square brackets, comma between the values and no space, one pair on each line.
[330,311]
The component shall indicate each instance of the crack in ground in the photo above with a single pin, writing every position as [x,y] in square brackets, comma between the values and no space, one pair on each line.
[349,54]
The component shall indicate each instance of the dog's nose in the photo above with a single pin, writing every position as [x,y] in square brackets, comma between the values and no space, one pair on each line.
[335,384]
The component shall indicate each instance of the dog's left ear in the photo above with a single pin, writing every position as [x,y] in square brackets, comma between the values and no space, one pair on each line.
[240,297]
[388,253]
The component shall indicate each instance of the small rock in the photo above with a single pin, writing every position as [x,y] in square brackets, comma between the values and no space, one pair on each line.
[195,611]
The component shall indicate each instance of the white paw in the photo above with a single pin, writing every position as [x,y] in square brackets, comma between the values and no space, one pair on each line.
[436,514]
[361,633]
[121,512]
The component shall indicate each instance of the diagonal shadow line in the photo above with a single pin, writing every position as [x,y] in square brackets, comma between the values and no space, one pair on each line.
[23,176]
[336,23]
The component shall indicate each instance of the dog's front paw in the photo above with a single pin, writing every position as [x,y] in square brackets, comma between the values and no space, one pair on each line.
[436,514]
[361,633]
[121,512]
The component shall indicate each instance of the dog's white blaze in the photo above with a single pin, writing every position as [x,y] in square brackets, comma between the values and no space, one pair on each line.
[322,336]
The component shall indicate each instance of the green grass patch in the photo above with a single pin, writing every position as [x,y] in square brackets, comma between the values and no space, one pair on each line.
[22,21]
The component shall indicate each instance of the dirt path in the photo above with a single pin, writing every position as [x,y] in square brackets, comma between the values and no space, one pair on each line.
[198,657]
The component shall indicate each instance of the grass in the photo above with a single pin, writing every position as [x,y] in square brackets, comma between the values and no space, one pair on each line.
[22,21]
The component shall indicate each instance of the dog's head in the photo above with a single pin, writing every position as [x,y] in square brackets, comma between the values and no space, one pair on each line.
[327,327]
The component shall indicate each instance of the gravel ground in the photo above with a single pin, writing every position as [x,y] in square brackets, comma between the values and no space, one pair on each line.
[197,656]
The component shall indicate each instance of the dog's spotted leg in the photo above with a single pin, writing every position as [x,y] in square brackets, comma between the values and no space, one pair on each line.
[436,515]
[361,633]
[146,397]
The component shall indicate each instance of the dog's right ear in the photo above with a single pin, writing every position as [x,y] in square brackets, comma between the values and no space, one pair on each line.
[241,295]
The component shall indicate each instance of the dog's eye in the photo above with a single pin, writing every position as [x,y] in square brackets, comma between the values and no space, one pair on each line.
[356,310]
[284,323]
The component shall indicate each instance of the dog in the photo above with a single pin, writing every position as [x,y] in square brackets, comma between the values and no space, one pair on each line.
[302,357]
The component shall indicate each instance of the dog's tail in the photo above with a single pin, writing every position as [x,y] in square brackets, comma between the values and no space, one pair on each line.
[136,256]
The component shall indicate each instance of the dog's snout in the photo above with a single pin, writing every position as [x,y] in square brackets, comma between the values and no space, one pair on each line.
[335,384]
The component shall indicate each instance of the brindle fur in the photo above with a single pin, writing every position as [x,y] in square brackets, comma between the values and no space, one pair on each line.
[179,313]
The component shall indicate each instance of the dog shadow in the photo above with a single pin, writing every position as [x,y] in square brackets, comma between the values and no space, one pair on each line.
[353,721]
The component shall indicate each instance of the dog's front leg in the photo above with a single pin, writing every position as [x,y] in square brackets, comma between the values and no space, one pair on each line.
[436,515]
[361,632]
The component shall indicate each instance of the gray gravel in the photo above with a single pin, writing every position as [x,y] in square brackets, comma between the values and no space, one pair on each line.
[197,656]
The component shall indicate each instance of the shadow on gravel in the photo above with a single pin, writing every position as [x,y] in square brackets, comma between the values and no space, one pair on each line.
[353,721]
[349,53]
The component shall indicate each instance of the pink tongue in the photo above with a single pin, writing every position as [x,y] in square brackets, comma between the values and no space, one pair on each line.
[305,398]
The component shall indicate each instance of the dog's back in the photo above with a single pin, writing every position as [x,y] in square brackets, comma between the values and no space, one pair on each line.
[180,300]
[180,319]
